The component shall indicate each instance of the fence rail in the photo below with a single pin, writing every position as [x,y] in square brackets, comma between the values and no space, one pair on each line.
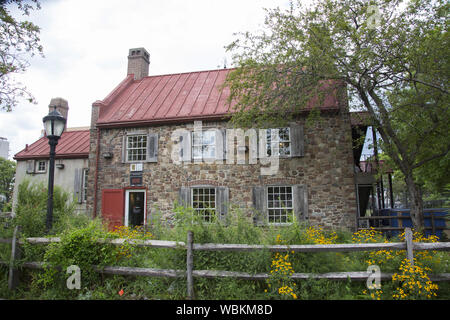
[191,247]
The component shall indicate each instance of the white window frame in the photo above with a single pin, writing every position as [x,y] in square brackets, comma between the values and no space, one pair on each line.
[127,203]
[288,210]
[201,211]
[38,166]
[202,144]
[128,148]
[280,141]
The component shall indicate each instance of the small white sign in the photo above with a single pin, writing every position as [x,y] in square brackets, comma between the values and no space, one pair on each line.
[136,167]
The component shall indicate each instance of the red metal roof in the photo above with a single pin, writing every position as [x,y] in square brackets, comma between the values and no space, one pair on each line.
[72,144]
[171,98]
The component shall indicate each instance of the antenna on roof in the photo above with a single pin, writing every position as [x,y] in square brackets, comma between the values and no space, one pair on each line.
[224,62]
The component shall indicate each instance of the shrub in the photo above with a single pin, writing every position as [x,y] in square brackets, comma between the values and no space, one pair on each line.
[31,210]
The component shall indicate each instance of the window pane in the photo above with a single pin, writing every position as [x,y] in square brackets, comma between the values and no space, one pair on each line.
[204,202]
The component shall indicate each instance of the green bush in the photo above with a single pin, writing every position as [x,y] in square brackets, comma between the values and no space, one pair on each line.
[31,210]
[79,247]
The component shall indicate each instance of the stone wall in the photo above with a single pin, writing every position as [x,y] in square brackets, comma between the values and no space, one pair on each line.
[326,169]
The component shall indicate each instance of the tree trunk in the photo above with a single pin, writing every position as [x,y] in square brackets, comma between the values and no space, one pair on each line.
[416,203]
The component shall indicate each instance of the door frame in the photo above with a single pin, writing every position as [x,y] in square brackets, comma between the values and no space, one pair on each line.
[127,203]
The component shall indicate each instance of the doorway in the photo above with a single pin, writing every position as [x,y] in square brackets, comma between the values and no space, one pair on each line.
[135,201]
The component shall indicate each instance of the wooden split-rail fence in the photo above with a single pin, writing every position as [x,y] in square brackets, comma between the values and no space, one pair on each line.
[409,246]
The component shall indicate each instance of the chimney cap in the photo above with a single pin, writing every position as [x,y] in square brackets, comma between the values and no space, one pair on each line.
[58,102]
[139,53]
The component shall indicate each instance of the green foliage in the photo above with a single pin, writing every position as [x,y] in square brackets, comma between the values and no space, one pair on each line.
[31,210]
[19,40]
[392,62]
[7,173]
[79,246]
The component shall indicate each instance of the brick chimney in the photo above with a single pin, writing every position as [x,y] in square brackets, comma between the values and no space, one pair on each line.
[138,62]
[61,105]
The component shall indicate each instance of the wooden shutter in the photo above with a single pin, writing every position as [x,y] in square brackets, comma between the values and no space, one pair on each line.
[113,207]
[222,201]
[30,166]
[124,148]
[78,185]
[259,204]
[185,146]
[221,144]
[300,195]
[184,197]
[297,140]
[152,147]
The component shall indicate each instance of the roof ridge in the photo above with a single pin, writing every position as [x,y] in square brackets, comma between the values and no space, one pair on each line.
[186,72]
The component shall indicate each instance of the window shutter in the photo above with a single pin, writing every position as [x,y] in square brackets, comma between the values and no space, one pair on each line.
[77,188]
[152,147]
[185,197]
[259,204]
[222,200]
[124,149]
[297,140]
[300,194]
[30,166]
[221,144]
[185,149]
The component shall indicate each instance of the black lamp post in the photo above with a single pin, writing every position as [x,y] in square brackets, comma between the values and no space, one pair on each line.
[54,124]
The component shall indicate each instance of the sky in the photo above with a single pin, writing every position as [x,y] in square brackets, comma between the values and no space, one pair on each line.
[86,46]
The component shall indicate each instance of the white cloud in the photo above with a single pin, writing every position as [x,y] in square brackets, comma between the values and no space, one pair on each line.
[86,46]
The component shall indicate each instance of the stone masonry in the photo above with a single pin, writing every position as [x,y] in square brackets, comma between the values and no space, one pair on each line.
[327,169]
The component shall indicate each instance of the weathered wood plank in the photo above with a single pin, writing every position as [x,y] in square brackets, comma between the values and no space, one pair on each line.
[3,240]
[409,245]
[41,240]
[190,265]
[147,243]
[136,242]
[303,248]
[441,246]
[147,272]
[152,272]
[14,272]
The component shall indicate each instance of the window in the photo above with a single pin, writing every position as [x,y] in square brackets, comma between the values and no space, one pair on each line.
[280,204]
[284,141]
[204,203]
[41,166]
[203,145]
[136,148]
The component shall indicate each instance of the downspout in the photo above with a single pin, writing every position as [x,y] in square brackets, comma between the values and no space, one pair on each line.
[97,156]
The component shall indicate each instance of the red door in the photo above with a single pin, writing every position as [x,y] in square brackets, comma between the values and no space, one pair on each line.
[112,207]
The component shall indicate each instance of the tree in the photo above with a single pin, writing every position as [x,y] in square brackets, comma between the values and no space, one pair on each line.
[7,173]
[391,55]
[18,41]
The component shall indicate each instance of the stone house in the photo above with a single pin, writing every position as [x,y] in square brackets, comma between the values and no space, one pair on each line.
[71,160]
[157,140]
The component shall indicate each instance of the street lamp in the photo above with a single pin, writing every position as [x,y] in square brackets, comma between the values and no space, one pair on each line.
[54,124]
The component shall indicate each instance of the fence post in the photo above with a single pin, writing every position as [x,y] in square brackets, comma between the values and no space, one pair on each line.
[14,272]
[409,245]
[190,264]
[433,226]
